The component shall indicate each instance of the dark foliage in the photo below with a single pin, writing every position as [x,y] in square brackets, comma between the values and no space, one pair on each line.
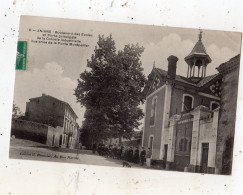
[111,91]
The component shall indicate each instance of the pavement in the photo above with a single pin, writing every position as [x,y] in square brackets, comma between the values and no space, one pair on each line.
[29,150]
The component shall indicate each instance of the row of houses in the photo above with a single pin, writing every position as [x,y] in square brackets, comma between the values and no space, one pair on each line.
[190,121]
[48,120]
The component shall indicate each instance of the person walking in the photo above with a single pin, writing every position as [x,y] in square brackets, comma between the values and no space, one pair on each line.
[119,152]
[94,148]
[126,155]
[148,157]
[130,155]
[136,156]
[142,156]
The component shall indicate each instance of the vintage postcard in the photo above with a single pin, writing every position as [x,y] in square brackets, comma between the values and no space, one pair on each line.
[125,95]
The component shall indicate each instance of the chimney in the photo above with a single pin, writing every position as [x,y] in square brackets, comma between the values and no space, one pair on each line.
[172,60]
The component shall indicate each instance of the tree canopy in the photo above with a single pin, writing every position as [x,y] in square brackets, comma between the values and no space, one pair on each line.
[111,90]
[16,113]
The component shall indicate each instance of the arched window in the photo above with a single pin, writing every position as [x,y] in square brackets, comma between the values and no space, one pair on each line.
[153,110]
[181,143]
[184,145]
[199,63]
[187,103]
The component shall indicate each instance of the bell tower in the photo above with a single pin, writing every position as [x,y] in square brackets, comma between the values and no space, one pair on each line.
[197,60]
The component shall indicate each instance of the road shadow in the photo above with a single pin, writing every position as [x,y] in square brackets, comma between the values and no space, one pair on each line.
[120,162]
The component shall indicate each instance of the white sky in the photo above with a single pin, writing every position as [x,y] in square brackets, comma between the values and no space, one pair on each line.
[54,70]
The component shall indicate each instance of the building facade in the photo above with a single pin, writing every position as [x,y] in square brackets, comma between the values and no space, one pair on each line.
[182,114]
[54,112]
[230,72]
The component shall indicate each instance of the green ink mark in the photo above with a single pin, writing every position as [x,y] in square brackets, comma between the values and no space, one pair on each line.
[21,59]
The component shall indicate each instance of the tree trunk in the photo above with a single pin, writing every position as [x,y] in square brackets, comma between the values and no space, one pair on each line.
[120,139]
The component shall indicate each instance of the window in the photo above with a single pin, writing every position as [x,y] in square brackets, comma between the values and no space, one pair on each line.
[184,145]
[53,140]
[214,105]
[187,103]
[189,146]
[169,124]
[153,111]
[150,144]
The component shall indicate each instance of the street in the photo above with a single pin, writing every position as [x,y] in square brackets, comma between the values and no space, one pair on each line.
[29,150]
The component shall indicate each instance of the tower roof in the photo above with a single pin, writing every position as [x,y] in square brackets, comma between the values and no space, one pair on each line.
[199,51]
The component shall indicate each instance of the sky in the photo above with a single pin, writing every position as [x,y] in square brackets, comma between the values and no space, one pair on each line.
[54,69]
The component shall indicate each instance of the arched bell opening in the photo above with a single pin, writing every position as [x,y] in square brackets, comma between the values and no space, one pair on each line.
[190,70]
[196,68]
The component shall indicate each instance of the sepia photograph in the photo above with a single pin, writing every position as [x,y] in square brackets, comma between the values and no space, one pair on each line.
[125,95]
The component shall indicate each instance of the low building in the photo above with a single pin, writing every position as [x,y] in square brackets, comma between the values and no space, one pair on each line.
[53,112]
[37,132]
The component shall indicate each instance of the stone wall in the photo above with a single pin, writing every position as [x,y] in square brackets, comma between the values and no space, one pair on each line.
[227,115]
[29,130]
[36,132]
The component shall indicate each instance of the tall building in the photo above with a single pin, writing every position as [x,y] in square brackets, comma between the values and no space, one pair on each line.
[182,114]
[54,112]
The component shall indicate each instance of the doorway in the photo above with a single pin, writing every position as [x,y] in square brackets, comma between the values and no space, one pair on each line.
[204,162]
[150,145]
[60,140]
[53,140]
[165,153]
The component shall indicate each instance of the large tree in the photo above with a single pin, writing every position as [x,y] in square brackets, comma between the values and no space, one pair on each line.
[111,90]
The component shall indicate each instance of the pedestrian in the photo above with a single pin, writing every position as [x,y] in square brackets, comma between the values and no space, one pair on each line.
[94,148]
[110,150]
[99,149]
[115,152]
[119,152]
[136,156]
[122,152]
[127,154]
[102,150]
[142,156]
[106,153]
[130,154]
[148,157]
